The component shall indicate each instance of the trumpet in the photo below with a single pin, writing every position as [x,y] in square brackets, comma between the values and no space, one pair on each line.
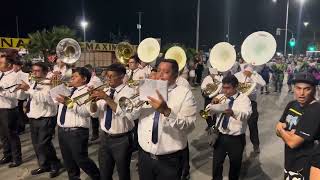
[70,102]
[53,82]
[205,113]
[133,83]
[128,104]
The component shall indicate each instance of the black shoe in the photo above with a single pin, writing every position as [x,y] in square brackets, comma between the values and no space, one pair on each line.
[39,171]
[267,92]
[15,164]
[5,160]
[94,137]
[54,172]
[256,149]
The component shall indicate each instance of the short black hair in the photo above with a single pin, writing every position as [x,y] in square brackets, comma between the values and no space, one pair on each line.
[42,65]
[89,67]
[154,70]
[118,68]
[9,59]
[230,79]
[136,58]
[174,65]
[18,62]
[84,73]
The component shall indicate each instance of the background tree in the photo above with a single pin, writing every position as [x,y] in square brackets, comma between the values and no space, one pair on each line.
[43,43]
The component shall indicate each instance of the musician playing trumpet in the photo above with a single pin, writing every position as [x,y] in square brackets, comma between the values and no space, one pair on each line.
[41,111]
[117,125]
[73,131]
[250,76]
[232,112]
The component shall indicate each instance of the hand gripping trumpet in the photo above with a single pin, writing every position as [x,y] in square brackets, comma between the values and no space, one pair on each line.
[205,113]
[70,102]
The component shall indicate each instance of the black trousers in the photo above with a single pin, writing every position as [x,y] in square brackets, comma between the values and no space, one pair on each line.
[41,135]
[253,124]
[115,151]
[165,168]
[22,117]
[95,126]
[185,162]
[74,151]
[9,134]
[232,146]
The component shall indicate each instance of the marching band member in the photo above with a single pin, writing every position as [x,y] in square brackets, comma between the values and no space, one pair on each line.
[41,111]
[163,128]
[94,82]
[232,123]
[250,76]
[73,129]
[210,79]
[145,67]
[134,72]
[299,129]
[22,119]
[8,110]
[116,140]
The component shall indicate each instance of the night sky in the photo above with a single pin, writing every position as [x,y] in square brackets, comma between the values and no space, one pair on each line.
[170,20]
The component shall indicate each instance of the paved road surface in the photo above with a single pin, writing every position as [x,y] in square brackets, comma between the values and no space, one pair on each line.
[268,165]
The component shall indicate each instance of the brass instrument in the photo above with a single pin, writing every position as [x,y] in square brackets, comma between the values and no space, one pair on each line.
[133,83]
[205,113]
[68,51]
[222,56]
[53,82]
[70,102]
[148,50]
[212,89]
[123,52]
[128,104]
[178,54]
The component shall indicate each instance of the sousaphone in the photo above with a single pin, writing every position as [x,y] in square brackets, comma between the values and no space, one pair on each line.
[257,49]
[68,51]
[178,54]
[222,57]
[148,50]
[123,52]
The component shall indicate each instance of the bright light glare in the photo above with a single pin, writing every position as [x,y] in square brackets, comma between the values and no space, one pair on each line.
[84,24]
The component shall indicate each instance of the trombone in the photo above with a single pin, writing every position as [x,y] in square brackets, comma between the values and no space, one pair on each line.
[70,102]
[128,104]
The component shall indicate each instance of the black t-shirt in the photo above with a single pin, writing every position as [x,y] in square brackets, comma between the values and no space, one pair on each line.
[307,125]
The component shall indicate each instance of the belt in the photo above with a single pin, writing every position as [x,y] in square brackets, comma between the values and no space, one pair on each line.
[8,109]
[162,157]
[116,135]
[72,129]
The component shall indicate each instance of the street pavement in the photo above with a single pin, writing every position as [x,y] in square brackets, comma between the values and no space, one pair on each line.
[268,165]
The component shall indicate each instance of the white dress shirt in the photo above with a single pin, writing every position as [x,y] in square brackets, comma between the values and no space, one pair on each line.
[147,70]
[183,82]
[137,74]
[242,110]
[94,82]
[41,103]
[172,130]
[9,98]
[78,116]
[255,77]
[121,122]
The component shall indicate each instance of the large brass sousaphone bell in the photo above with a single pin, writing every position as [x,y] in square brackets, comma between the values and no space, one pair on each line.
[68,51]
[178,54]
[257,49]
[124,51]
[148,50]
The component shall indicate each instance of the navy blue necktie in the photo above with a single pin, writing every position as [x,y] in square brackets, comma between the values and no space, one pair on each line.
[225,121]
[155,127]
[64,109]
[29,100]
[108,120]
[1,76]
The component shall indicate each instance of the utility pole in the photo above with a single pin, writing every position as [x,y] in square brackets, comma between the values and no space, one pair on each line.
[139,26]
